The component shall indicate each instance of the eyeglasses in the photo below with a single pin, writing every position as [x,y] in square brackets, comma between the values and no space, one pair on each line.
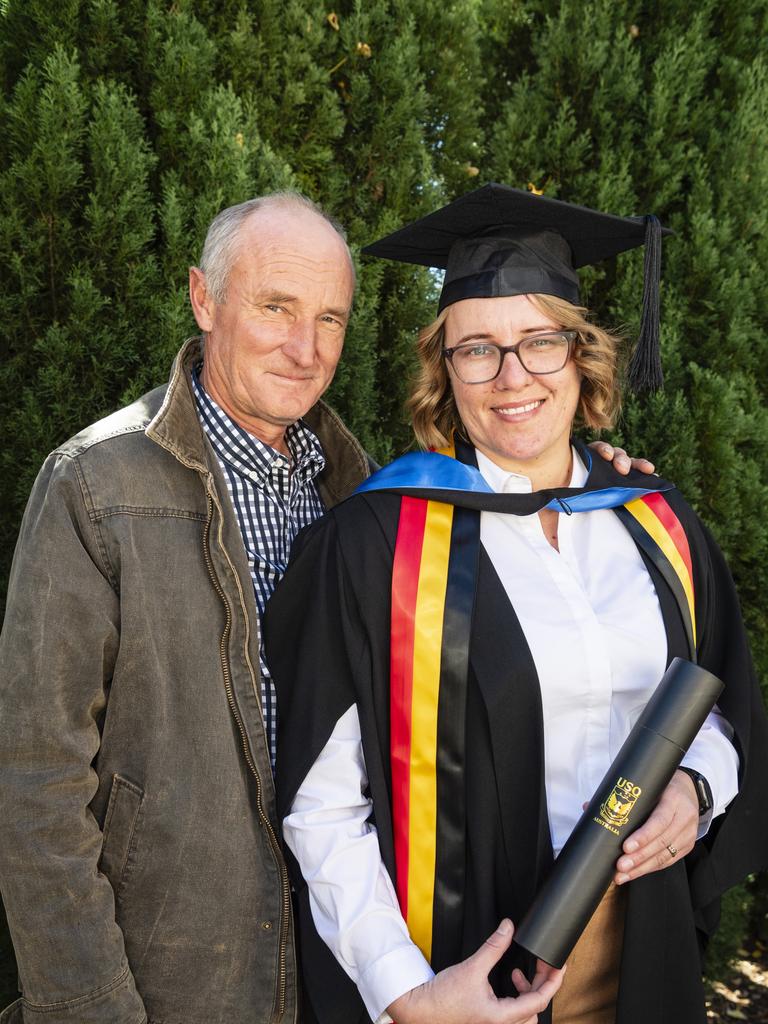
[477,362]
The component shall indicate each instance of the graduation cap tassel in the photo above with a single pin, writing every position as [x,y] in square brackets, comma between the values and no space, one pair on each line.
[645,373]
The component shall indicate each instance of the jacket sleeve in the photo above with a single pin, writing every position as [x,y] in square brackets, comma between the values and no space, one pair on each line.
[314,678]
[57,651]
[737,843]
[318,654]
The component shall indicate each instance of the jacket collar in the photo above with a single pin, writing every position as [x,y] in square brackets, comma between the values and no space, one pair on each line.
[176,427]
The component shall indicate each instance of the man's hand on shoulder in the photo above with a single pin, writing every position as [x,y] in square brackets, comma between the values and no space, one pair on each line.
[463,993]
[622,462]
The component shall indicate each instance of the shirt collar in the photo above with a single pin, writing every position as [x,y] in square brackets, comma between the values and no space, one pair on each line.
[504,482]
[246,453]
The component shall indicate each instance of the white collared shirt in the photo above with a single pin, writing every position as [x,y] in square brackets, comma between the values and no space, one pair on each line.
[592,620]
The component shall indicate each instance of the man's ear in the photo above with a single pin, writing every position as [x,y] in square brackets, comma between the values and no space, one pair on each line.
[203,304]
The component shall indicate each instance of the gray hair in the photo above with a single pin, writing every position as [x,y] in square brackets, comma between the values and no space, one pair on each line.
[220,246]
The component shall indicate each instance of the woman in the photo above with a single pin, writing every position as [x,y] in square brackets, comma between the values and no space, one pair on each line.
[462,647]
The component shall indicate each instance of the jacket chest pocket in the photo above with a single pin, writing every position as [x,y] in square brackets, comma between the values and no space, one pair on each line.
[121,828]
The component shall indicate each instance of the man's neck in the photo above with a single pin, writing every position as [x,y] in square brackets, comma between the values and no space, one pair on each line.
[271,434]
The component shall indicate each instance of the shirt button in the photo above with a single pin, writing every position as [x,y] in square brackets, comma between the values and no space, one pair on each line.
[266,925]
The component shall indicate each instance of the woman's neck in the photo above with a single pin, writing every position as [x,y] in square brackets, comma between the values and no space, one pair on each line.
[551,469]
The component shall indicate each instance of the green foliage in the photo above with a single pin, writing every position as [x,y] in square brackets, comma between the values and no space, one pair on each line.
[128,123]
[731,932]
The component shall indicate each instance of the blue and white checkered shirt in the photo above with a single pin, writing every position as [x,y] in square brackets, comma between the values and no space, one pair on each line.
[273,499]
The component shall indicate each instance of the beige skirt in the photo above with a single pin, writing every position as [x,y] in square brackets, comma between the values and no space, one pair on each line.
[591,984]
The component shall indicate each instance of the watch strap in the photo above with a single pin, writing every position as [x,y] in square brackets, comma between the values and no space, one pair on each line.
[703,789]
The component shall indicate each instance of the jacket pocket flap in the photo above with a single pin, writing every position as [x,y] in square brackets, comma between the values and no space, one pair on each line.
[12,1014]
[119,830]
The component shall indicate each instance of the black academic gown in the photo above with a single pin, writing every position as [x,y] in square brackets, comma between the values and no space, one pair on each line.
[327,636]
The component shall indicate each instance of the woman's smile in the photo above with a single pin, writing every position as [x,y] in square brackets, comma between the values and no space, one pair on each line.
[519,410]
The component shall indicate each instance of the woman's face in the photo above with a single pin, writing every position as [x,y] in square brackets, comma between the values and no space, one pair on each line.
[521,421]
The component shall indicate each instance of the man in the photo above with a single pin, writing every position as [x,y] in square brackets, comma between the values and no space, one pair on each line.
[139,862]
[140,867]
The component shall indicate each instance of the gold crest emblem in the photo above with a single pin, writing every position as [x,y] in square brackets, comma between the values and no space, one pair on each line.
[622,798]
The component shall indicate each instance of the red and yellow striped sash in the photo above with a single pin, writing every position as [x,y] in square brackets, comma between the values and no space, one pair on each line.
[433,589]
[669,550]
[419,581]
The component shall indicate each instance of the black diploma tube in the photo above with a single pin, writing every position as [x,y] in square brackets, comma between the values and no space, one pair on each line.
[624,800]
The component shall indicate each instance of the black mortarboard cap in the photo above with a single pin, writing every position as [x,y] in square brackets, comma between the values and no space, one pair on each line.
[499,240]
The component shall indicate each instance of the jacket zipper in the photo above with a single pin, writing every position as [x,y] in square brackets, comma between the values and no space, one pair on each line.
[263,819]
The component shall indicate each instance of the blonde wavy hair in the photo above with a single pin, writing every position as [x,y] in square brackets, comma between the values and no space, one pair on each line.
[596,354]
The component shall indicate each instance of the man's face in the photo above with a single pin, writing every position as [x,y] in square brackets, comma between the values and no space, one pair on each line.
[273,345]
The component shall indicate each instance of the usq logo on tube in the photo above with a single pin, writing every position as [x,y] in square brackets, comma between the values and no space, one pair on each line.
[615,810]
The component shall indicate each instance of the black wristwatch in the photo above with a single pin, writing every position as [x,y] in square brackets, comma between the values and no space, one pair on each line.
[703,791]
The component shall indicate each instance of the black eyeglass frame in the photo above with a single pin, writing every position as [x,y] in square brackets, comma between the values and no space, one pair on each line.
[504,350]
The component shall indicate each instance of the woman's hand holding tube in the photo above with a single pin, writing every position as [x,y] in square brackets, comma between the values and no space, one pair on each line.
[666,837]
[463,993]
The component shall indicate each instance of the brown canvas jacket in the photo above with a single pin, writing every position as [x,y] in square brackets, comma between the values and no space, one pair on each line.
[139,864]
